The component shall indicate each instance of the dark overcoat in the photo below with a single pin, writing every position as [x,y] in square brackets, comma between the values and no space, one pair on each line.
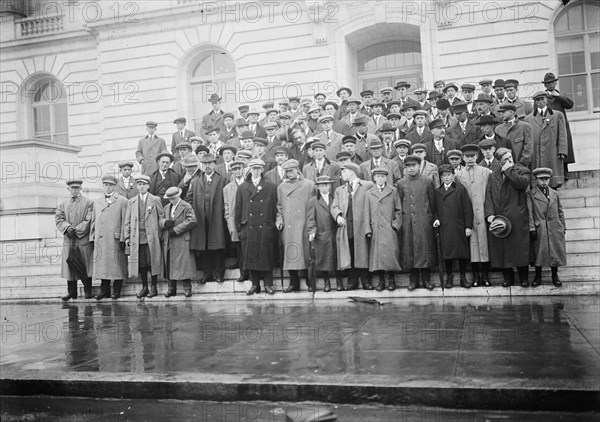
[106,230]
[320,223]
[383,219]
[508,197]
[181,263]
[563,103]
[418,249]
[454,210]
[77,213]
[209,208]
[520,136]
[548,221]
[255,216]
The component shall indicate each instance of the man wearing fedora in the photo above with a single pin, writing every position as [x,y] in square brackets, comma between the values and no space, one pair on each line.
[329,137]
[408,110]
[226,156]
[165,177]
[343,94]
[517,132]
[560,102]
[191,165]
[451,91]
[126,185]
[387,132]
[148,148]
[438,147]
[347,122]
[214,118]
[483,106]
[506,213]
[73,218]
[180,135]
[547,227]
[141,232]
[486,125]
[549,134]
[208,235]
[179,262]
[107,236]
[402,87]
[377,119]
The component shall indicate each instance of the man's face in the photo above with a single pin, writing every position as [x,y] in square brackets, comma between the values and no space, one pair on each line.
[421,96]
[402,92]
[151,130]
[486,89]
[380,179]
[352,107]
[327,124]
[109,188]
[550,86]
[283,108]
[248,143]
[541,102]
[241,129]
[511,93]
[256,171]
[467,95]
[174,201]
[285,122]
[126,171]
[260,149]
[394,121]
[438,132]
[470,159]
[280,158]
[350,147]
[488,153]
[315,115]
[164,163]
[324,188]
[447,177]
[402,150]
[329,109]
[270,132]
[294,105]
[292,173]
[377,110]
[228,122]
[238,171]
[272,117]
[367,99]
[483,107]
[209,168]
[180,125]
[506,158]
[412,169]
[299,138]
[191,169]
[319,153]
[376,152]
[305,107]
[487,129]
[462,116]
[216,105]
[499,92]
[455,161]
[184,152]
[408,113]
[386,96]
[344,94]
[395,108]
[252,118]
[420,153]
[451,92]
[244,114]
[420,120]
[347,174]
[143,187]
[320,99]
[227,155]
[543,181]
[439,88]
[362,129]
[213,137]
[74,190]
[387,136]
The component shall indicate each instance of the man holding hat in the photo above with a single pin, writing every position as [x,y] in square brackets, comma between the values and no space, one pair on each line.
[427,169]
[475,178]
[148,148]
[438,86]
[165,177]
[126,186]
[506,204]
[208,235]
[522,108]
[464,131]
[348,211]
[255,215]
[191,164]
[141,232]
[547,227]
[517,132]
[73,218]
[107,235]
[438,147]
[363,138]
[241,126]
[560,102]
[379,161]
[180,135]
[229,197]
[179,219]
[483,105]
[214,118]
[292,205]
[330,138]
[549,134]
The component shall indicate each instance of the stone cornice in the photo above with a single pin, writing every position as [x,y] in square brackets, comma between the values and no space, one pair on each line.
[39,143]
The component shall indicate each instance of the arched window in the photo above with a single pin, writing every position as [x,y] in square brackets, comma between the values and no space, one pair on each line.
[49,119]
[578,54]
[213,71]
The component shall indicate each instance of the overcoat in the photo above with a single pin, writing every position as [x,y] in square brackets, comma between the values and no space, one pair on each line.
[229,194]
[158,185]
[207,201]
[320,223]
[76,212]
[292,207]
[454,210]
[146,153]
[520,136]
[468,137]
[129,192]
[255,215]
[523,108]
[508,197]
[563,103]
[181,264]
[333,144]
[430,171]
[383,219]
[548,220]
[549,139]
[414,137]
[418,249]
[106,230]
[475,179]
[151,221]
[361,245]
[390,165]
[176,139]
[330,168]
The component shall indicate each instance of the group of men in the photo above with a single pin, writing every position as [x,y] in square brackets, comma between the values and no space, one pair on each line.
[368,183]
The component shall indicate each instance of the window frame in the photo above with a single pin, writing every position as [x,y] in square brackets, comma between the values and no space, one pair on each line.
[52,105]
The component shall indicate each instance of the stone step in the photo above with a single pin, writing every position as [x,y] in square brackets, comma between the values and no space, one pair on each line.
[583,234]
[582,182]
[591,259]
[583,223]
[586,192]
[580,202]
[571,213]
[583,246]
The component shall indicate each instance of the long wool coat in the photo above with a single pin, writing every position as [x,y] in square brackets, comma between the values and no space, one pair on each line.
[475,181]
[563,103]
[454,210]
[110,262]
[292,207]
[229,194]
[508,197]
[418,248]
[383,219]
[520,136]
[255,214]
[146,153]
[549,139]
[548,220]
[361,245]
[320,223]
[181,263]
[151,221]
[207,201]
[77,213]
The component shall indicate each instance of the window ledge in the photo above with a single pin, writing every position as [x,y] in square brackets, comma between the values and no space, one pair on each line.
[40,143]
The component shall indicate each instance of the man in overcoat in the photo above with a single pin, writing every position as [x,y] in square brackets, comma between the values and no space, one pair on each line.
[519,134]
[214,118]
[126,185]
[506,196]
[142,234]
[148,148]
[255,215]
[229,197]
[377,160]
[165,177]
[560,102]
[348,210]
[106,233]
[180,135]
[321,165]
[549,133]
[73,218]
[437,147]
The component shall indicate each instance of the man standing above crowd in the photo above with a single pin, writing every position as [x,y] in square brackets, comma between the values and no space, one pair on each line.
[182,134]
[522,108]
[438,147]
[148,148]
[213,119]
[518,133]
[126,186]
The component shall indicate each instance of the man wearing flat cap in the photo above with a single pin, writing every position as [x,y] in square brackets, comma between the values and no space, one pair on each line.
[377,119]
[214,118]
[379,161]
[420,132]
[163,178]
[229,197]
[73,218]
[277,174]
[107,234]
[549,134]
[183,149]
[486,125]
[422,99]
[367,98]
[205,195]
[363,138]
[347,122]
[519,133]
[506,197]
[148,148]
[464,131]
[330,138]
[228,130]
[180,135]
[486,89]
[522,107]
[467,94]
[560,102]
[321,165]
[126,185]
[440,144]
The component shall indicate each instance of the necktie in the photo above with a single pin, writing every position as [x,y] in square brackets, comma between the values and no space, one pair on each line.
[327,133]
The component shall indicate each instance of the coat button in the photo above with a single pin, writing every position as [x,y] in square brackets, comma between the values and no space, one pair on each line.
[260,227]
[250,214]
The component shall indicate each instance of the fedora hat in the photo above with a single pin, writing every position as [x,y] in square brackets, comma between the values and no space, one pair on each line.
[503,231]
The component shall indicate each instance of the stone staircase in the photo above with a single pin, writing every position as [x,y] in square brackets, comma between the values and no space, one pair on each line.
[30,269]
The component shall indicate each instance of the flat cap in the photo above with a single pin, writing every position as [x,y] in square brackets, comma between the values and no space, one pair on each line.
[228,115]
[323,180]
[208,159]
[142,178]
[237,163]
[290,164]
[243,153]
[507,107]
[485,82]
[379,170]
[367,93]
[261,141]
[243,108]
[256,162]
[348,139]
[180,120]
[253,111]
[343,155]
[487,143]
[325,117]
[412,159]
[540,94]
[183,145]
[469,148]
[190,161]
[151,123]
[446,168]
[247,134]
[74,182]
[438,83]
[268,104]
[418,147]
[436,123]
[454,153]
[317,144]
[348,165]
[125,164]
[542,172]
[402,143]
[281,150]
[484,98]
[467,87]
[270,125]
[417,113]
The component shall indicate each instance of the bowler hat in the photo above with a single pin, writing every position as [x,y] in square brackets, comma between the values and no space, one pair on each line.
[201,148]
[172,192]
[507,107]
[261,141]
[499,83]
[376,143]
[165,153]
[504,230]
[227,147]
[549,77]
[402,84]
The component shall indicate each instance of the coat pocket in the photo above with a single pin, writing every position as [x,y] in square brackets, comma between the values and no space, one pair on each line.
[519,139]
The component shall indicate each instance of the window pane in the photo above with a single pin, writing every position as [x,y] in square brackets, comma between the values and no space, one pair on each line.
[575,87]
[575,18]
[62,138]
[389,55]
[41,120]
[596,89]
[570,55]
[592,14]
[223,64]
[561,24]
[595,51]
[203,69]
[60,118]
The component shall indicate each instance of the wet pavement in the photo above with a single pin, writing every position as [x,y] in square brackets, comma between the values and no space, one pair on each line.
[512,345]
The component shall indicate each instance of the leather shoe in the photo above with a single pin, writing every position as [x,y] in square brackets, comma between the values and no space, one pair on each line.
[391,285]
[327,285]
[412,286]
[556,281]
[253,289]
[449,281]
[485,279]
[367,286]
[464,282]
[188,293]
[506,283]
[202,280]
[170,293]
[428,285]
[242,279]
[269,290]
[67,297]
[290,288]
[536,281]
[524,284]
[143,293]
[380,286]
[153,291]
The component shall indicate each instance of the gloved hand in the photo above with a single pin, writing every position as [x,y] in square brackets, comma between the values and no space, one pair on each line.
[172,233]
[533,235]
[169,224]
[122,246]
